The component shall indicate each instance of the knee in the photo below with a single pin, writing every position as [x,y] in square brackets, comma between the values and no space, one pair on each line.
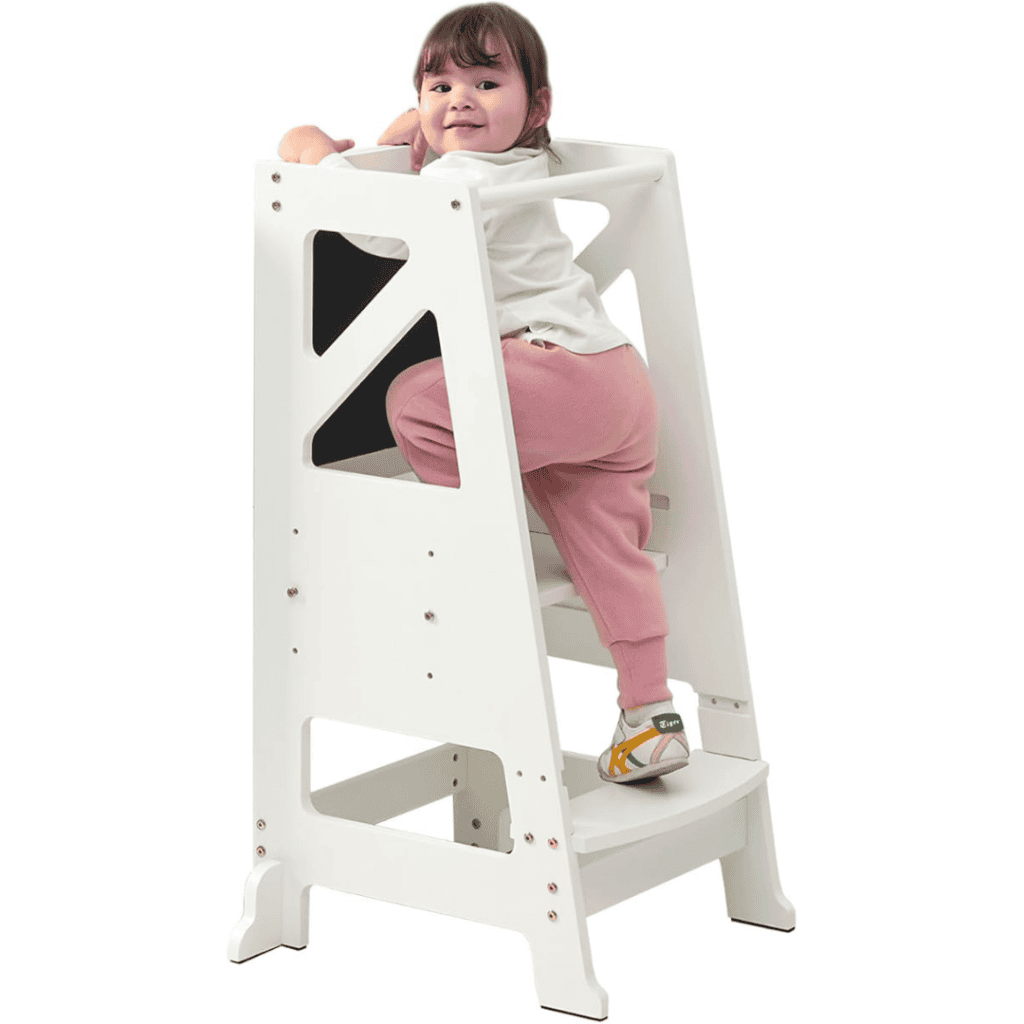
[412,381]
[396,396]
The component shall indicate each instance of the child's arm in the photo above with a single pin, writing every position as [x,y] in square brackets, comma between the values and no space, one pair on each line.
[406,131]
[309,145]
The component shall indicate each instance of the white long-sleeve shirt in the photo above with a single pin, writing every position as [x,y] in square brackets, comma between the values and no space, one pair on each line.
[537,286]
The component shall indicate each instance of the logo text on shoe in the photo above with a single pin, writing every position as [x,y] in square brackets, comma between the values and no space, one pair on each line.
[670,722]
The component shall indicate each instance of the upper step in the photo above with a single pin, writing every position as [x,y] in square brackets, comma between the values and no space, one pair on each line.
[613,813]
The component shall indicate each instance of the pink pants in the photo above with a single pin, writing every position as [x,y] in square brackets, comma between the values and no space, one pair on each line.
[586,431]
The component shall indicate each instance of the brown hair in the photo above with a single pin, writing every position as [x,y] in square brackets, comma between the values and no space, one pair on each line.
[462,35]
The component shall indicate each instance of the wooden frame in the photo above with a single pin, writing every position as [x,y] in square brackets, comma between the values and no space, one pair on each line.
[369,583]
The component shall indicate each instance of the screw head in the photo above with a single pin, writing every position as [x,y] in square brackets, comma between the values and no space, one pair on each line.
[275,177]
[292,591]
[456,204]
[552,887]
[528,837]
[553,843]
[276,205]
[261,824]
[428,616]
[476,823]
[260,851]
[552,916]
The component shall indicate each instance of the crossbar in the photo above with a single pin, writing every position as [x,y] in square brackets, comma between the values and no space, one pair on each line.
[559,185]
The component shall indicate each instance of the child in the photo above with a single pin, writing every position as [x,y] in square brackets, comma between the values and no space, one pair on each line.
[584,411]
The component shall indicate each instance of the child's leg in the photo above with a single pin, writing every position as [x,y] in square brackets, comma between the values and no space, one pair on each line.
[586,432]
[420,420]
[599,522]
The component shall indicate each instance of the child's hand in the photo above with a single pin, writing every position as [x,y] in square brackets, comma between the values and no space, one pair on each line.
[309,145]
[406,131]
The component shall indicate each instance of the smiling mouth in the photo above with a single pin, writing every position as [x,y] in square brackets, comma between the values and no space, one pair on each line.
[451,126]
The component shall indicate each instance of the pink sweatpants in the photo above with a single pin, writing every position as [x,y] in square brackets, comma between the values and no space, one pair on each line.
[586,430]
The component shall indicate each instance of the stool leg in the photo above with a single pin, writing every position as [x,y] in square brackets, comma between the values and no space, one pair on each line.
[753,894]
[562,969]
[275,913]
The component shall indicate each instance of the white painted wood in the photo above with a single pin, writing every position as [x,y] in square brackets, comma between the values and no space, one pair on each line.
[569,184]
[620,872]
[378,598]
[751,876]
[614,815]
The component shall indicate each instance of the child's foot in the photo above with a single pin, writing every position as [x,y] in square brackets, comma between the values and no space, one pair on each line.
[655,746]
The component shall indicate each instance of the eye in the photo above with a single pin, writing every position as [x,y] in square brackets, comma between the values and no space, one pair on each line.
[487,81]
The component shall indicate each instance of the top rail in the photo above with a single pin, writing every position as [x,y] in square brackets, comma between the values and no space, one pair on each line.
[570,184]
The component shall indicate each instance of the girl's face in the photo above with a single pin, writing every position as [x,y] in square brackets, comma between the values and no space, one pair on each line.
[478,108]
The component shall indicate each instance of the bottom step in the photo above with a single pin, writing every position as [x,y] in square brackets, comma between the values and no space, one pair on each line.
[612,814]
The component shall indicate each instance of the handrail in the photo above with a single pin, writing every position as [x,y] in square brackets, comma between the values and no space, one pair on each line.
[569,184]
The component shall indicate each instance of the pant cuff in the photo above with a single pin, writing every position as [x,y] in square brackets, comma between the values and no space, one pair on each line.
[643,671]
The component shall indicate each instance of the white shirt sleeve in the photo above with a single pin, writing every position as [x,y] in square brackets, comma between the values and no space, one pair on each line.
[392,248]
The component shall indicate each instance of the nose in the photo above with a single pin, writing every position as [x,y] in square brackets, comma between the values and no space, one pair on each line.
[460,97]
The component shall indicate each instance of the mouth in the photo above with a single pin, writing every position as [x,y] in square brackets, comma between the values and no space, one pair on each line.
[453,126]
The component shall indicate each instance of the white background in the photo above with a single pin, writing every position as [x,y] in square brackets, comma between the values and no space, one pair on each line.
[850,180]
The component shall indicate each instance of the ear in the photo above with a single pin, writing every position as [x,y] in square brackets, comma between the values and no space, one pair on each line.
[542,110]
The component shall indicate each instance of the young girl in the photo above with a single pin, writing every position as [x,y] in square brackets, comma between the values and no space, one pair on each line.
[584,411]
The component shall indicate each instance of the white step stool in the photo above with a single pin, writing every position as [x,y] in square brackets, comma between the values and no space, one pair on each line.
[369,583]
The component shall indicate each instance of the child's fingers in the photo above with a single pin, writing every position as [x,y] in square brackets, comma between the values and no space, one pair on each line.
[419,151]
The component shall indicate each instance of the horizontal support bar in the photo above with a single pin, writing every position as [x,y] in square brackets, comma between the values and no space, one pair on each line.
[393,789]
[570,184]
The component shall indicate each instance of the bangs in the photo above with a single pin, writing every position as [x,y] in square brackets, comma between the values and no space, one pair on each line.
[466,49]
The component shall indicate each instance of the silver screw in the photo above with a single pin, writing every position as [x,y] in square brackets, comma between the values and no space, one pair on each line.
[455,204]
[428,616]
[260,851]
[552,916]
[553,843]
[292,591]
[552,887]
[276,206]
[275,177]
[261,824]
[528,837]
[476,823]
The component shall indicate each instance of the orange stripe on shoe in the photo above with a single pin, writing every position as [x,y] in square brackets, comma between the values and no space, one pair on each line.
[620,752]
